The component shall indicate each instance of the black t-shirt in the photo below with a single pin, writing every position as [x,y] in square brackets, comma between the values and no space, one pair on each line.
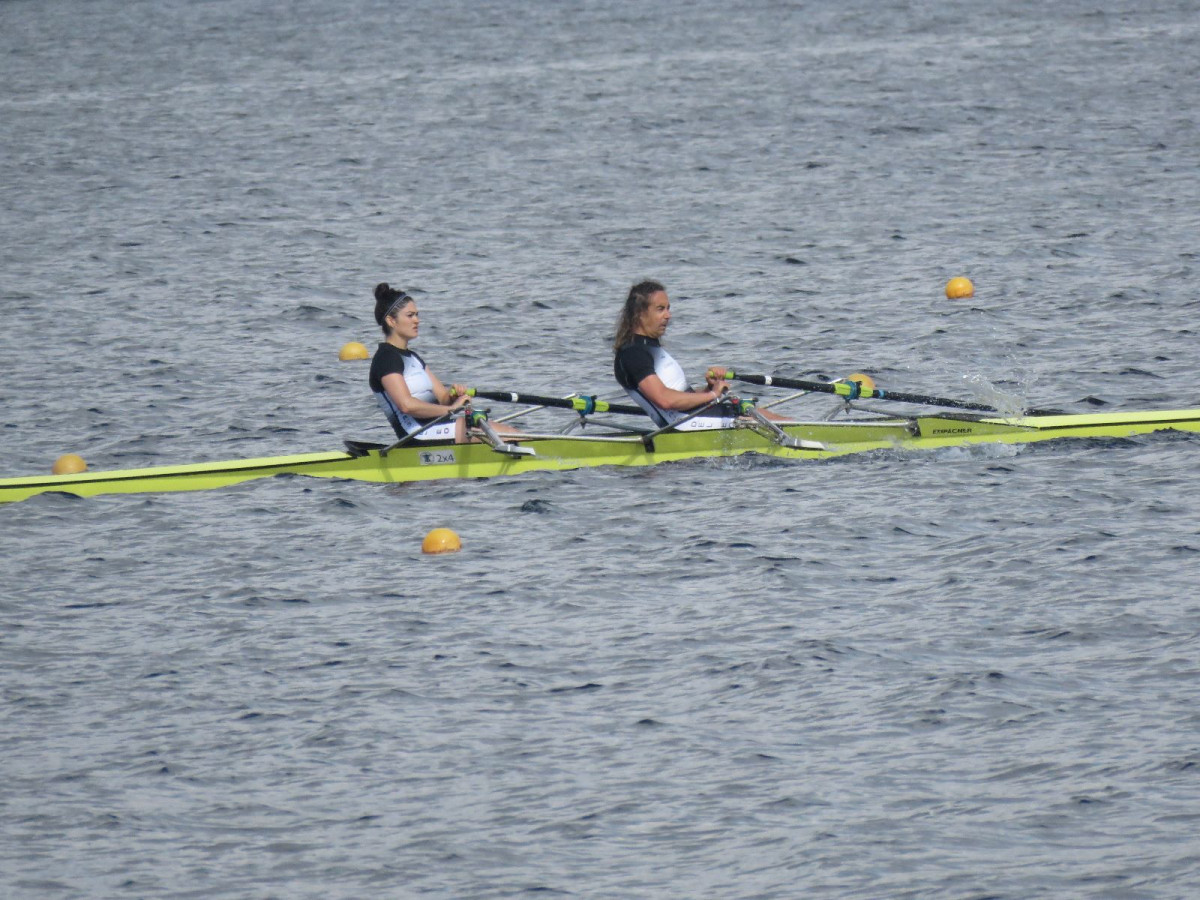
[390,359]
[634,361]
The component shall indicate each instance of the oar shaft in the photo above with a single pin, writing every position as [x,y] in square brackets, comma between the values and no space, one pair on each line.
[853,390]
[585,405]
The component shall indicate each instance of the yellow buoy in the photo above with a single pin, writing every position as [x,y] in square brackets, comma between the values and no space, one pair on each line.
[865,382]
[353,350]
[441,540]
[69,464]
[959,288]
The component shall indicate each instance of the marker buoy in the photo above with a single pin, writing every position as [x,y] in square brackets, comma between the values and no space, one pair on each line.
[441,540]
[353,350]
[959,288]
[865,382]
[69,464]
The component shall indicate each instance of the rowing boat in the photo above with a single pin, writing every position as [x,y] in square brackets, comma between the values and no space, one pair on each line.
[427,461]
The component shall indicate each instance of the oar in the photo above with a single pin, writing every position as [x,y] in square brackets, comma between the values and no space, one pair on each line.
[532,409]
[853,390]
[583,405]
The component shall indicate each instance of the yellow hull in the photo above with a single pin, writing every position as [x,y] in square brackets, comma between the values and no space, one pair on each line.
[558,452]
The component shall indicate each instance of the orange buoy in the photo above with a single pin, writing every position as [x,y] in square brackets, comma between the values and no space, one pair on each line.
[69,464]
[959,288]
[441,540]
[353,350]
[865,382]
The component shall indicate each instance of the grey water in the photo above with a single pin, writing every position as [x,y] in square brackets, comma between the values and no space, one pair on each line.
[959,674]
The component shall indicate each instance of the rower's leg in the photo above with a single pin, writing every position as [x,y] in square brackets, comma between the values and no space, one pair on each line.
[501,428]
[775,417]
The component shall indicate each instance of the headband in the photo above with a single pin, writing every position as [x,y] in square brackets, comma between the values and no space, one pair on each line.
[399,301]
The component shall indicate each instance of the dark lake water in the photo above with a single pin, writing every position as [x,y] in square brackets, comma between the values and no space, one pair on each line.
[962,674]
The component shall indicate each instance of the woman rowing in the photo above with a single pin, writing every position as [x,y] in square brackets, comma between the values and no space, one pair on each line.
[652,377]
[415,402]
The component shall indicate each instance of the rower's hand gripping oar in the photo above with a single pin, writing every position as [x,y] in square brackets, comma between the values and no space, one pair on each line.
[853,390]
[478,420]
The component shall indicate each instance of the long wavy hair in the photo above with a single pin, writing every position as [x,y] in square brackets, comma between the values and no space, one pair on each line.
[388,300]
[636,303]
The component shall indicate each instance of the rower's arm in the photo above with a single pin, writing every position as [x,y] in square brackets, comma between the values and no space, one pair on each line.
[664,397]
[397,390]
[447,397]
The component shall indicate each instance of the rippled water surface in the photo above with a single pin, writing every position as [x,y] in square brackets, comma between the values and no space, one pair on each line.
[958,674]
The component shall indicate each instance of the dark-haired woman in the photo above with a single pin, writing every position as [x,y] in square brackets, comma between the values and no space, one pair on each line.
[652,377]
[409,394]
[649,374]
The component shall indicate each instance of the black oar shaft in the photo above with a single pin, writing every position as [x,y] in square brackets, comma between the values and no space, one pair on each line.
[585,405]
[852,391]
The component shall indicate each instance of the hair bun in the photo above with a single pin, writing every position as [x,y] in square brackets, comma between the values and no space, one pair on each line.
[382,290]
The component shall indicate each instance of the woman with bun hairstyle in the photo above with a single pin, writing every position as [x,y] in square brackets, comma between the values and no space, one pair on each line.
[409,394]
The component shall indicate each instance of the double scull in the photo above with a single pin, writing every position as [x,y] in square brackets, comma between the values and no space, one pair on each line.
[492,457]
